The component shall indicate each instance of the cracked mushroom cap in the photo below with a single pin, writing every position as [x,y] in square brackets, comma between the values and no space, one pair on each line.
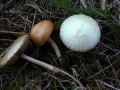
[14,51]
[80,33]
[40,32]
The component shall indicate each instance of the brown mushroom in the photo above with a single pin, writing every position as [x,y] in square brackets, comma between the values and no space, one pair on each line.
[40,33]
[15,51]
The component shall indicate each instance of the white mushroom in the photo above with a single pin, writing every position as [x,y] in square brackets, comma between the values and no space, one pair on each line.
[80,33]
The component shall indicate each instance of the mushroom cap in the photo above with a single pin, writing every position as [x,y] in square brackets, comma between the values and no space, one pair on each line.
[40,32]
[15,51]
[80,33]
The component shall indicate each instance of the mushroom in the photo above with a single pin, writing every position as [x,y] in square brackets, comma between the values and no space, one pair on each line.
[80,33]
[16,51]
[40,33]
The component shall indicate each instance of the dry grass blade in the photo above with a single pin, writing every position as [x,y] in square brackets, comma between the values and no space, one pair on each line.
[106,84]
[92,76]
[12,32]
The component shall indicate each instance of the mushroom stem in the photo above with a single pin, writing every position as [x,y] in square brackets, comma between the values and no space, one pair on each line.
[55,47]
[38,62]
[50,67]
[63,62]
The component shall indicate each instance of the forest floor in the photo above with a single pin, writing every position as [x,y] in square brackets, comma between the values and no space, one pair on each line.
[97,69]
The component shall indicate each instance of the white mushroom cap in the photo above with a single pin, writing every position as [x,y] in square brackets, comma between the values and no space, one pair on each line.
[80,33]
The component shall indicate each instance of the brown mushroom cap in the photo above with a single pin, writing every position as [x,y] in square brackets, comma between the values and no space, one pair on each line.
[40,32]
[15,50]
